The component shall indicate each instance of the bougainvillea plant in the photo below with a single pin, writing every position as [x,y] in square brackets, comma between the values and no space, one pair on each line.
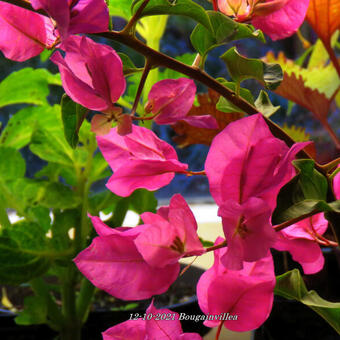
[270,190]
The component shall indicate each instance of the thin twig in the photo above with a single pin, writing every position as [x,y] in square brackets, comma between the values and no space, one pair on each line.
[160,59]
[132,22]
[294,220]
[146,71]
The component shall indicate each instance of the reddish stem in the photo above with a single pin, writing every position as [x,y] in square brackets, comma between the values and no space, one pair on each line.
[218,246]
[195,173]
[219,330]
[215,6]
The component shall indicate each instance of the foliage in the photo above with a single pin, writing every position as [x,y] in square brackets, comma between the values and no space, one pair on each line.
[266,199]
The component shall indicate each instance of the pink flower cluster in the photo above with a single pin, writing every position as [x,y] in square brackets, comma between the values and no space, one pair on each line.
[30,33]
[246,167]
[277,18]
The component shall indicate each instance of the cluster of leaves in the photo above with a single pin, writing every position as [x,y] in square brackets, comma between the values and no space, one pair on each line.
[49,204]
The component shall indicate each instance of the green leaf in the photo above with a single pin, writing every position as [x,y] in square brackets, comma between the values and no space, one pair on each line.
[206,243]
[264,105]
[63,222]
[21,126]
[24,253]
[186,8]
[225,105]
[291,286]
[27,86]
[143,200]
[128,66]
[305,193]
[224,30]
[34,313]
[120,8]
[241,68]
[73,115]
[59,196]
[99,168]
[12,165]
[48,141]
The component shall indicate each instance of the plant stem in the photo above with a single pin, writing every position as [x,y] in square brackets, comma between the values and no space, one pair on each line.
[71,329]
[161,59]
[53,312]
[146,71]
[331,132]
[84,299]
[332,56]
[294,220]
[152,38]
[132,23]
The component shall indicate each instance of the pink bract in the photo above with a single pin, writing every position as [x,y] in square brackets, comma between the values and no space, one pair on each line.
[277,18]
[168,239]
[151,329]
[138,160]
[221,290]
[248,231]
[91,73]
[72,17]
[245,160]
[299,240]
[113,263]
[23,33]
[283,22]
[246,167]
[172,99]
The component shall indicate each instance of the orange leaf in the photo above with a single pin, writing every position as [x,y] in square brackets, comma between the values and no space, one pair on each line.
[188,134]
[324,17]
[294,89]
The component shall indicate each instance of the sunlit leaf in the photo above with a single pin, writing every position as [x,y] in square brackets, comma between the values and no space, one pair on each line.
[241,68]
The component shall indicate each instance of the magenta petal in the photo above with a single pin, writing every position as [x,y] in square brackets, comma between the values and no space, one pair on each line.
[162,329]
[89,16]
[205,122]
[305,228]
[248,231]
[245,160]
[139,160]
[142,143]
[91,73]
[306,252]
[79,91]
[154,244]
[168,239]
[106,69]
[227,147]
[239,292]
[172,99]
[23,34]
[226,291]
[148,174]
[113,263]
[128,330]
[284,22]
[181,216]
[58,10]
